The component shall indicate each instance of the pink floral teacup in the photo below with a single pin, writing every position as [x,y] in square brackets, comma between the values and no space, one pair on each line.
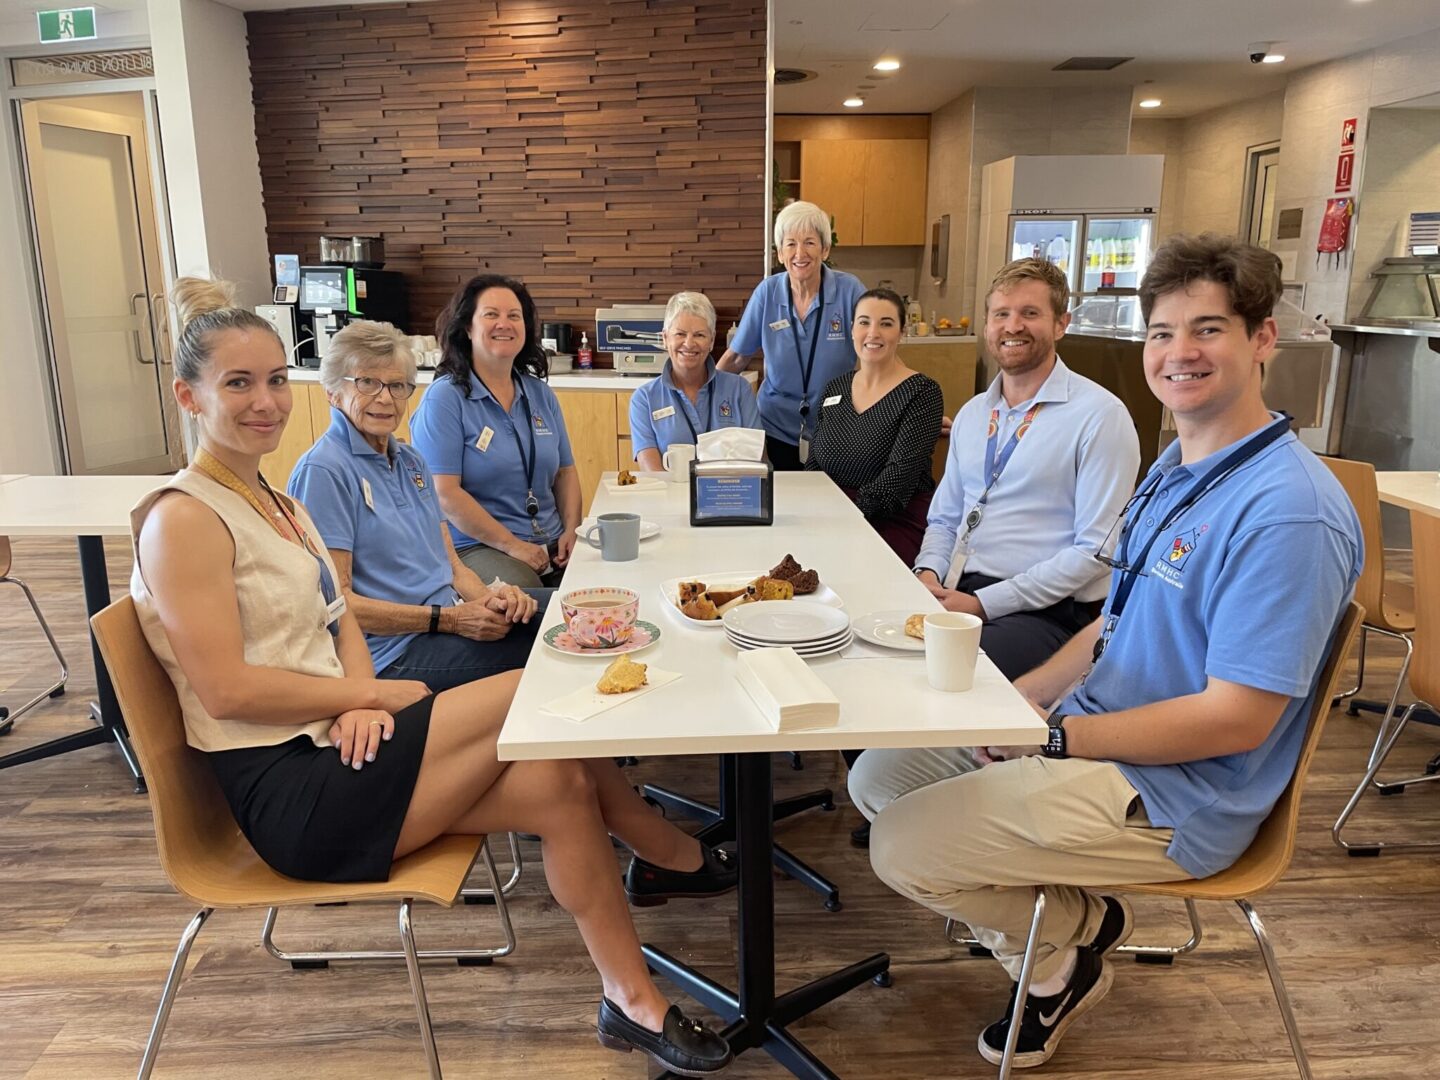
[600,618]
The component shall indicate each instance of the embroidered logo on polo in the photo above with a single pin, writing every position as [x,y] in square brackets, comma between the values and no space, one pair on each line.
[540,427]
[725,409]
[835,326]
[1170,566]
[419,480]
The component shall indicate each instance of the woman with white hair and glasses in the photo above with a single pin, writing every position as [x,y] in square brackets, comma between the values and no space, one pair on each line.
[690,397]
[426,615]
[801,320]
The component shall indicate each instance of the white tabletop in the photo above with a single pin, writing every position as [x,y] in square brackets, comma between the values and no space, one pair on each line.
[883,702]
[1412,490]
[72,505]
[5,478]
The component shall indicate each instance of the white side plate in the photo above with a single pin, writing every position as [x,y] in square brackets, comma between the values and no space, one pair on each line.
[887,629]
[783,622]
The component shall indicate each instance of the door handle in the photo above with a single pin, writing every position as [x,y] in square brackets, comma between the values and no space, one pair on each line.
[135,333]
[160,329]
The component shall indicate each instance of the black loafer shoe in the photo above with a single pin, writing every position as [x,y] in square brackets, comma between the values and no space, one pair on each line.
[647,885]
[682,1046]
[860,835]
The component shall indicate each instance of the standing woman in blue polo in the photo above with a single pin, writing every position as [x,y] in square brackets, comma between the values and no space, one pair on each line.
[801,321]
[491,431]
[690,397]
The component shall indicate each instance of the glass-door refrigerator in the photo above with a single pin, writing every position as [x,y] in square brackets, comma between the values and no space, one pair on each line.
[1055,237]
[1117,252]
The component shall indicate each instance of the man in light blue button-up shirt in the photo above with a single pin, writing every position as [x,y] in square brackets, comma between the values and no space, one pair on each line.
[1038,470]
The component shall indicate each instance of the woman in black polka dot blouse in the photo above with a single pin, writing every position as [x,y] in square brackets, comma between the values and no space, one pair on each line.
[877,428]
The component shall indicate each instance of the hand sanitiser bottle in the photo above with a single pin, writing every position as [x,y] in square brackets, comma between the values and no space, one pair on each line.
[585,357]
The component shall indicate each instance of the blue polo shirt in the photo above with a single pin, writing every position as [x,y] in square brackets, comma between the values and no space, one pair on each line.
[475,439]
[384,511]
[661,414]
[1247,585]
[766,326]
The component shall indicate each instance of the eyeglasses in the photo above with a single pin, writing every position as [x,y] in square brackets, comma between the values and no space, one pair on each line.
[369,387]
[1142,496]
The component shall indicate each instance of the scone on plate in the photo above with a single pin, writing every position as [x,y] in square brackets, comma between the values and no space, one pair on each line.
[622,676]
[689,590]
[721,597]
[625,478]
[915,627]
[702,608]
[768,588]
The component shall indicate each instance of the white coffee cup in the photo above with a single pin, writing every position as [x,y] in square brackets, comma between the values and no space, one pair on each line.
[952,643]
[677,462]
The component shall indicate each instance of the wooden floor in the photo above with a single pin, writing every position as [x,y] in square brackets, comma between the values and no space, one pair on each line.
[88,926]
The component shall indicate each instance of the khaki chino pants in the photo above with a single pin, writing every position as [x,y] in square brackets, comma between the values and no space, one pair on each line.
[971,842]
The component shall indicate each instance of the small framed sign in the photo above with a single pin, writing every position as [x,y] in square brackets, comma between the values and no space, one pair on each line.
[732,493]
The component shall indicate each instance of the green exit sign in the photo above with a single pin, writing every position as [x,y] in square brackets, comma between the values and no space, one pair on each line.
[69,24]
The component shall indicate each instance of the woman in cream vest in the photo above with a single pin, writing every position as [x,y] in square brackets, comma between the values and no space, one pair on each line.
[331,772]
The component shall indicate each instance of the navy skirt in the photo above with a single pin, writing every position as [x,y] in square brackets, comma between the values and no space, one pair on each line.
[309,817]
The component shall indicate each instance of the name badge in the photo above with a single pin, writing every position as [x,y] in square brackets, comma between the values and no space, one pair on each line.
[780,324]
[662,414]
[369,495]
[833,399]
[334,609]
[483,442]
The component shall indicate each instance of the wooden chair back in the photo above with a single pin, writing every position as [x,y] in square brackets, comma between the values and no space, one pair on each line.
[202,850]
[1425,663]
[1268,856]
[5,556]
[1358,480]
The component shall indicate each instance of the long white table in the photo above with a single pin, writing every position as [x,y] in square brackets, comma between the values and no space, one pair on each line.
[88,508]
[1418,491]
[884,703]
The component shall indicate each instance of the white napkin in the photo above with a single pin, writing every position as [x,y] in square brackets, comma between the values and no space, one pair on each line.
[586,702]
[643,482]
[788,694]
[732,444]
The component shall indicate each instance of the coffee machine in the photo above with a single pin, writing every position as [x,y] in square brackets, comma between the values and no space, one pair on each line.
[331,296]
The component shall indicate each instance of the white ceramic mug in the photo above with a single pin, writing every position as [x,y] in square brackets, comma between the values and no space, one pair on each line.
[952,643]
[677,462]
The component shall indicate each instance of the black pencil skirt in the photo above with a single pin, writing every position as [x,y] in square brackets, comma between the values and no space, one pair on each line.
[309,817]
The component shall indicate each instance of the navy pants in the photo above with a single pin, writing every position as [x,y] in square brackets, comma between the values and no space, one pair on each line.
[445,661]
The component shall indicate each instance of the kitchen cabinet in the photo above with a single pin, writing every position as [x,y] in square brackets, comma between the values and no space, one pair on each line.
[590,420]
[309,417]
[952,364]
[874,188]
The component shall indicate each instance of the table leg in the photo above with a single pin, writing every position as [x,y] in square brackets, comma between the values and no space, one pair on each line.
[109,724]
[754,1016]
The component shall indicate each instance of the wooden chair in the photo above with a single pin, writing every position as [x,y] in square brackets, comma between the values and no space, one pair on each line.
[209,861]
[8,718]
[1263,864]
[1389,605]
[1424,684]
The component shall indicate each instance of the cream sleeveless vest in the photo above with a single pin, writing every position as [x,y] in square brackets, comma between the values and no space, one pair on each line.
[282,614]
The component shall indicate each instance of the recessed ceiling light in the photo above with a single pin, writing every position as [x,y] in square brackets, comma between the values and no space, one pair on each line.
[854,102]
[1274,58]
[887,65]
[1151,103]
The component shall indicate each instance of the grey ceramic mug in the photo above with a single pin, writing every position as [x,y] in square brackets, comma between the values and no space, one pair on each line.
[619,536]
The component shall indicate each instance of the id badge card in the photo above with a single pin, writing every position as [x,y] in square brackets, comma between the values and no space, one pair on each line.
[803,448]
[334,609]
[959,556]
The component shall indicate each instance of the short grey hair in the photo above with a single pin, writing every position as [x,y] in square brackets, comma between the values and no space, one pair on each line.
[364,344]
[690,303]
[800,218]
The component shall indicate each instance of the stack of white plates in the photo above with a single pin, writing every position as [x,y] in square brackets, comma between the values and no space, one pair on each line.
[811,629]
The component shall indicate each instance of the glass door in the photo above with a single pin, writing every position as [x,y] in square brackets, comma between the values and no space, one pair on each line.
[1053,238]
[96,233]
[1117,252]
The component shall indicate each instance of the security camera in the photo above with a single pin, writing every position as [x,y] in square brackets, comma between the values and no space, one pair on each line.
[1258,51]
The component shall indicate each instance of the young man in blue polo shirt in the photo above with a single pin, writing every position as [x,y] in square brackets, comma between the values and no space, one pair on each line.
[1168,749]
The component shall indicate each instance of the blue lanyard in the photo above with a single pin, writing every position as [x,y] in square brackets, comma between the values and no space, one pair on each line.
[681,403]
[1131,572]
[809,364]
[532,504]
[994,465]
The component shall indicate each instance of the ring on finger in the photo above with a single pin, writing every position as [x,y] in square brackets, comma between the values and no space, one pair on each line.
[377,723]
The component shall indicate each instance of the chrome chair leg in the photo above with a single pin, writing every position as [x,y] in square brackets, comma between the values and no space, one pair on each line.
[417,988]
[481,894]
[1377,760]
[1359,674]
[1022,986]
[172,985]
[1282,997]
[1161,953]
[9,716]
[319,958]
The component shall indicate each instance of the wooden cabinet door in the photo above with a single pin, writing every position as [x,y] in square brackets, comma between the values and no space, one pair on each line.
[298,437]
[590,423]
[832,176]
[895,191]
[626,453]
[403,431]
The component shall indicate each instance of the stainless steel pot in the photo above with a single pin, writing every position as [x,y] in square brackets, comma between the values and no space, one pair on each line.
[353,251]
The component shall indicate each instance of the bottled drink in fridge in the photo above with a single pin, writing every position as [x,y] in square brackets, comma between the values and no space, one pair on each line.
[1058,252]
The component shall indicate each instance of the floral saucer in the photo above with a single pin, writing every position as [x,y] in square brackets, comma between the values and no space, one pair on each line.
[644,635]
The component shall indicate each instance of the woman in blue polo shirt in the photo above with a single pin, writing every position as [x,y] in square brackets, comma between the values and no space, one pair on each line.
[426,615]
[690,397]
[801,320]
[491,431]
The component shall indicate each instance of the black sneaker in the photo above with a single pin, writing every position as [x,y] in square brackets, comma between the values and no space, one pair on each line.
[1046,1018]
[1115,928]
[647,885]
[682,1046]
[860,835]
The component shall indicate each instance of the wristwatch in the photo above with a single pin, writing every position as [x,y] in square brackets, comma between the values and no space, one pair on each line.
[434,618]
[1055,745]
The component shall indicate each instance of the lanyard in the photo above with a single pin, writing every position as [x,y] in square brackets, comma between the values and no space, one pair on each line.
[994,465]
[1132,571]
[681,401]
[218,471]
[532,504]
[809,365]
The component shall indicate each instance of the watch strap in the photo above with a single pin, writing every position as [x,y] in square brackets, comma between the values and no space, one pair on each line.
[434,618]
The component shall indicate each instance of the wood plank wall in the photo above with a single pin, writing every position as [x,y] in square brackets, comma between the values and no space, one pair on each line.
[602,152]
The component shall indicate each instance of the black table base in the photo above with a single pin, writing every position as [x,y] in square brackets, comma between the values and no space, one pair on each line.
[105,712]
[754,1016]
[718,825]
